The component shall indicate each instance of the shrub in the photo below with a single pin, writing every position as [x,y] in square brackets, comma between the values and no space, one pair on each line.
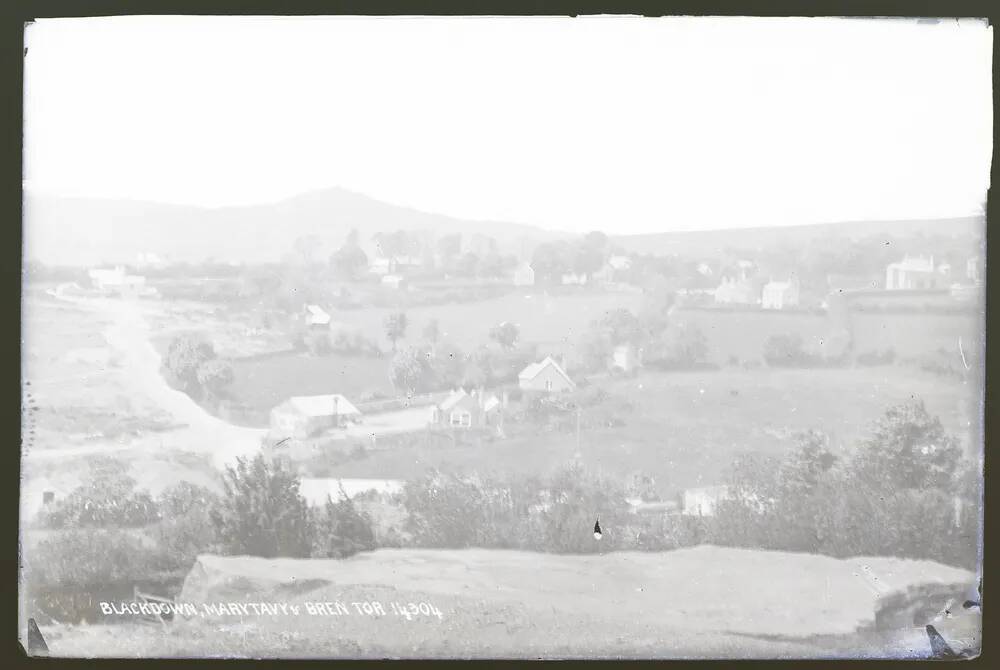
[108,499]
[88,558]
[788,351]
[342,530]
[262,512]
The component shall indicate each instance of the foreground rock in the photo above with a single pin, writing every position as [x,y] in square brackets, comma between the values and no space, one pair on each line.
[486,602]
[701,602]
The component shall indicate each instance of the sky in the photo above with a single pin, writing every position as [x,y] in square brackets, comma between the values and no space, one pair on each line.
[622,124]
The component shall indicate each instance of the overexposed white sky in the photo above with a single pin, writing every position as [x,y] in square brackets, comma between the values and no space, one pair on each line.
[623,124]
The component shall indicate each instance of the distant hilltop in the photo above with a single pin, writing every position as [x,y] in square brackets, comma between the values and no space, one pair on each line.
[88,231]
[711,243]
[75,231]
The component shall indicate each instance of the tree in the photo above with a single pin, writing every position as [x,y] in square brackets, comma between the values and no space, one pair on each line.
[215,376]
[683,345]
[908,448]
[410,370]
[395,327]
[261,512]
[185,355]
[449,246]
[505,334]
[349,261]
[432,331]
[342,530]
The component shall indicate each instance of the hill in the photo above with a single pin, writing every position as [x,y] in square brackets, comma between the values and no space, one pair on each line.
[711,243]
[84,231]
[699,602]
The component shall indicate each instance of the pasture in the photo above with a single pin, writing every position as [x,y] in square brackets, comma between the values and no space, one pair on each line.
[685,428]
[742,333]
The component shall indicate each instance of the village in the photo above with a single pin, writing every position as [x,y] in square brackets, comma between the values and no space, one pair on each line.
[523,383]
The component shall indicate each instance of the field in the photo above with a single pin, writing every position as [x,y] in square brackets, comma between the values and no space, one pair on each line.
[541,317]
[264,382]
[701,602]
[685,427]
[742,333]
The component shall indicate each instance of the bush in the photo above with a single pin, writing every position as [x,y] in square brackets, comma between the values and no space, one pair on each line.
[904,492]
[788,351]
[342,530]
[262,512]
[108,499]
[89,558]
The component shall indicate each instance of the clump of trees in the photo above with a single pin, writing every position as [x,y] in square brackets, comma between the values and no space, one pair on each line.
[192,365]
[553,514]
[905,491]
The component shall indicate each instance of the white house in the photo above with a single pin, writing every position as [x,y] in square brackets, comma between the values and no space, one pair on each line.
[974,269]
[780,294]
[524,275]
[624,358]
[317,318]
[466,410]
[574,279]
[620,262]
[305,416]
[546,376]
[392,281]
[915,274]
[380,266]
[115,280]
[703,501]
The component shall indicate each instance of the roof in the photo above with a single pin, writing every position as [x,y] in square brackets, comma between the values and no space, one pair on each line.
[619,262]
[532,370]
[488,401]
[910,264]
[322,405]
[453,399]
[317,314]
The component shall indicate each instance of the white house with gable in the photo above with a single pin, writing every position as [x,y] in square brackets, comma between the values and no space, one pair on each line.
[546,376]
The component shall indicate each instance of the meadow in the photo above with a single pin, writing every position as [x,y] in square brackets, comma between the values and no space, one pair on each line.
[742,333]
[685,428]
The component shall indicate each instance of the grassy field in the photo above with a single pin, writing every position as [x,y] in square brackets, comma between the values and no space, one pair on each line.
[268,381]
[742,333]
[540,317]
[701,602]
[685,427]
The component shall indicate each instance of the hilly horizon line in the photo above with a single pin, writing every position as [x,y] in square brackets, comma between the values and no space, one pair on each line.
[304,195]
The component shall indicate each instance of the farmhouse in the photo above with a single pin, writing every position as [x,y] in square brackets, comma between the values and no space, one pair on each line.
[524,275]
[974,269]
[115,280]
[380,266]
[625,358]
[306,416]
[467,410]
[614,264]
[574,279]
[393,281]
[915,274]
[704,500]
[317,318]
[546,376]
[781,294]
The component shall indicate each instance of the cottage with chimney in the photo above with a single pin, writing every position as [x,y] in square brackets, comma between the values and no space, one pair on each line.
[307,416]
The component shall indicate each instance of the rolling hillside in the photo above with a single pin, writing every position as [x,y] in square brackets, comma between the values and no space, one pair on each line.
[81,231]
